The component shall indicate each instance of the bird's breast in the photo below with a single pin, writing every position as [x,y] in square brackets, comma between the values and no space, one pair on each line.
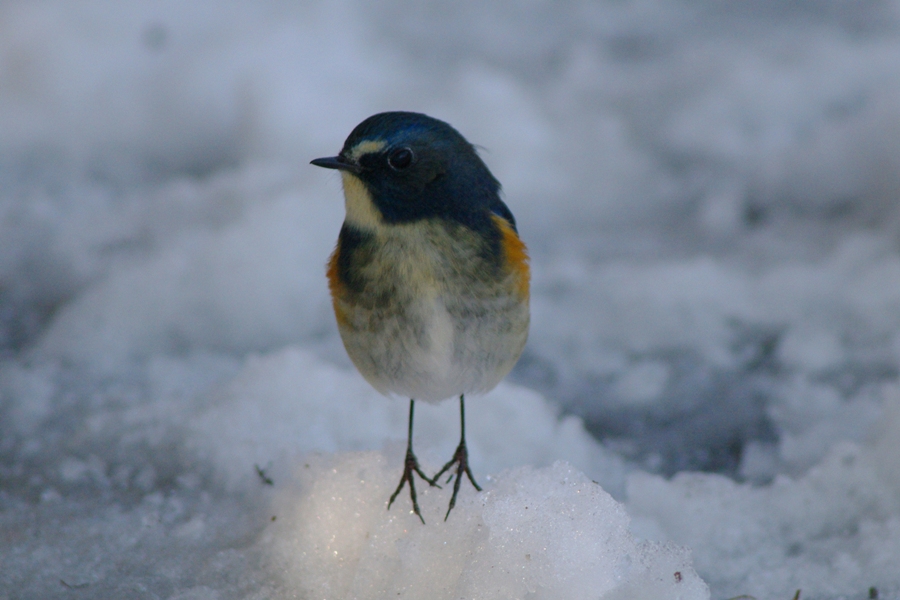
[428,311]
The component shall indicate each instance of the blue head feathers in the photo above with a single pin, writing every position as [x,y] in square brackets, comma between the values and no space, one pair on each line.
[417,167]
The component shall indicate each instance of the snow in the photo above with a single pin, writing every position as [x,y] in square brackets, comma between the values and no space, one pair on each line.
[541,533]
[831,531]
[709,194]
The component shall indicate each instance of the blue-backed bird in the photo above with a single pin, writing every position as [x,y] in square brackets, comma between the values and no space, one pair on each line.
[429,280]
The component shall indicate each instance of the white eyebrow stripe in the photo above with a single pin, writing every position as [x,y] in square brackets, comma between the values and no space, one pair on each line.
[366,147]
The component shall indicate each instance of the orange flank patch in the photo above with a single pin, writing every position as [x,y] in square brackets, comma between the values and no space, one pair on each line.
[335,285]
[516,255]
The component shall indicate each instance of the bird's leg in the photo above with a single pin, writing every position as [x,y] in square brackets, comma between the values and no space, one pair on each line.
[460,459]
[411,465]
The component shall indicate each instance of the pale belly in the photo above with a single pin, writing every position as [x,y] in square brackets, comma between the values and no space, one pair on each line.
[427,316]
[433,348]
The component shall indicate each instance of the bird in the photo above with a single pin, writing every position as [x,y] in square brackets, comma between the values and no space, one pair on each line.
[429,279]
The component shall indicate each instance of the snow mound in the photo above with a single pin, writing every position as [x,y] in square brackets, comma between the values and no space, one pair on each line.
[535,533]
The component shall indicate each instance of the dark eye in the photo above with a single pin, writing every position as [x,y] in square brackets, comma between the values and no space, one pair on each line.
[400,158]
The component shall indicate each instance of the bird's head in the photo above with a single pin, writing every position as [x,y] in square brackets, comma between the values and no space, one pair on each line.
[401,167]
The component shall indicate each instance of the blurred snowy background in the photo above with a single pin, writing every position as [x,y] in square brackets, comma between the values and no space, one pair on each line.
[708,189]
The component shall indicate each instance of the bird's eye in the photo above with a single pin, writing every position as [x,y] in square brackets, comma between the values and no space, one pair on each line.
[400,158]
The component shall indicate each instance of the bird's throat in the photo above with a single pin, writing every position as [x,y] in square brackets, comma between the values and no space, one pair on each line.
[361,210]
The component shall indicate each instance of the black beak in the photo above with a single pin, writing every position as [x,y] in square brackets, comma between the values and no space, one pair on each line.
[336,162]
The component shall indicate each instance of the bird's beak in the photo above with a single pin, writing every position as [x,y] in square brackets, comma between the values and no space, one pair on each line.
[337,162]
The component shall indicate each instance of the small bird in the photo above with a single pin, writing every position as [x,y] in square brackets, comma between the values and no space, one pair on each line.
[429,280]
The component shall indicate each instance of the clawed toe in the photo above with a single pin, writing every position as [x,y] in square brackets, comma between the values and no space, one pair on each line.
[411,466]
[461,460]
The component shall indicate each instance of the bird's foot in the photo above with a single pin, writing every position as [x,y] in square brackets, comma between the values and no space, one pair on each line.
[461,460]
[411,466]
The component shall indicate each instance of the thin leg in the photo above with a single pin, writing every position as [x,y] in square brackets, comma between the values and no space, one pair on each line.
[460,459]
[411,465]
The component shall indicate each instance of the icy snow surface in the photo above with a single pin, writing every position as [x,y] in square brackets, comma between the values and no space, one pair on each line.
[709,192]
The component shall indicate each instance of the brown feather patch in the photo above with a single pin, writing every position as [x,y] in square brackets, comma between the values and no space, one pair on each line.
[516,255]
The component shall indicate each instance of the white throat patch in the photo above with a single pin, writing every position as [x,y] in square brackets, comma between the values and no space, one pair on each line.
[361,210]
